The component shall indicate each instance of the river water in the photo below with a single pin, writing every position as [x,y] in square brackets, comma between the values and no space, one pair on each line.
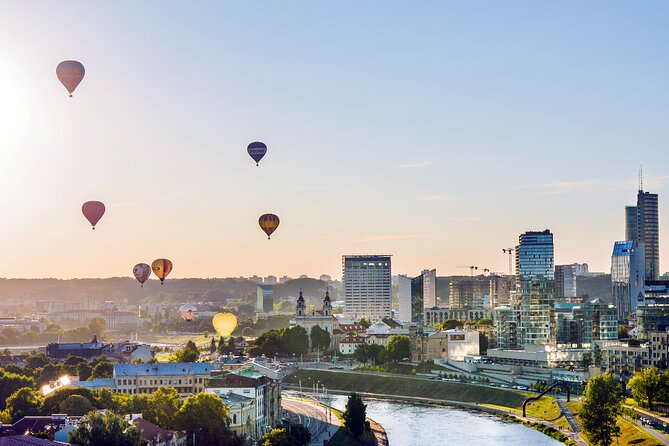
[416,425]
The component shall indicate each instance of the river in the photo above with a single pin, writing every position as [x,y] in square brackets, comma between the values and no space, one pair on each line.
[417,425]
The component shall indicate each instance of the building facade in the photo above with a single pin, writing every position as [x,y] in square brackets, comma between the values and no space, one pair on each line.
[645,229]
[501,289]
[367,287]
[535,287]
[565,282]
[265,298]
[187,378]
[468,293]
[627,277]
[316,318]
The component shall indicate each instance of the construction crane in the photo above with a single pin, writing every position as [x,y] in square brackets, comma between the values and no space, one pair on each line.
[471,269]
[510,251]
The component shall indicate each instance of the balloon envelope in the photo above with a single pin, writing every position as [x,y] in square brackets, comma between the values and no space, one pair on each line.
[142,271]
[257,150]
[70,73]
[187,312]
[161,268]
[268,223]
[93,211]
[224,324]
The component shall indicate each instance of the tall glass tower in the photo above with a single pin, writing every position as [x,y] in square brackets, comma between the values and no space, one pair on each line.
[535,287]
[643,227]
[627,276]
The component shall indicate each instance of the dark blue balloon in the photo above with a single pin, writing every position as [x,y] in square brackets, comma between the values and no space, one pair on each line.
[257,150]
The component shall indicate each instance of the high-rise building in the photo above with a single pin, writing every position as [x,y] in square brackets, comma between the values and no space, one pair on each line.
[565,282]
[404,297]
[644,229]
[264,298]
[535,287]
[367,286]
[627,276]
[467,293]
[429,288]
[417,299]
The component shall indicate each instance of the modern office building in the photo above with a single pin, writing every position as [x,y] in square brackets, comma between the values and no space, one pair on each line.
[417,294]
[404,297]
[535,287]
[650,318]
[417,300]
[645,230]
[627,277]
[367,287]
[565,282]
[264,298]
[506,325]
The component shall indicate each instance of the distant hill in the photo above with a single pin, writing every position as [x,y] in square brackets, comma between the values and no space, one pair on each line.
[595,287]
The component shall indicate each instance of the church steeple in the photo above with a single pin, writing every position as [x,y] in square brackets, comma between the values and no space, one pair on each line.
[327,304]
[300,308]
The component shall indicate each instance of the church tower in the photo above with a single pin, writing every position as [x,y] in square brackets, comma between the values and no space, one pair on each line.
[327,305]
[300,308]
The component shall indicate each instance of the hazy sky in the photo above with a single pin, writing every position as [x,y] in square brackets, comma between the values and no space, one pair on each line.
[433,131]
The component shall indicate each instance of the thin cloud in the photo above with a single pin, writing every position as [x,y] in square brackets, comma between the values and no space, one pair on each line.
[415,165]
[438,197]
[567,187]
[650,183]
[391,237]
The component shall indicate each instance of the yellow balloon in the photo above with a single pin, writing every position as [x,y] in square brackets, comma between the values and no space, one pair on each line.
[224,324]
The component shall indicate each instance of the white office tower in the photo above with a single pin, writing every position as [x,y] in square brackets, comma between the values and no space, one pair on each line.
[404,297]
[367,287]
[429,288]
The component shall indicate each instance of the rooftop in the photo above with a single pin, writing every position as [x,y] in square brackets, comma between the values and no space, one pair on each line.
[162,369]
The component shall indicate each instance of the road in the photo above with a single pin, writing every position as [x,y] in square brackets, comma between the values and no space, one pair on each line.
[321,423]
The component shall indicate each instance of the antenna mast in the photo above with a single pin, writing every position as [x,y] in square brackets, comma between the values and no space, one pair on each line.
[641,177]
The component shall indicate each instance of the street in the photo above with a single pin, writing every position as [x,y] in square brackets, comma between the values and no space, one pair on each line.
[321,423]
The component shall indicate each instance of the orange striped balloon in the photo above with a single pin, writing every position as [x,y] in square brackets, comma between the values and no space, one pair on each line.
[161,268]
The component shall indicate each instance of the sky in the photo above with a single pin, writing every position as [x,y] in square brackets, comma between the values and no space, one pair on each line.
[435,131]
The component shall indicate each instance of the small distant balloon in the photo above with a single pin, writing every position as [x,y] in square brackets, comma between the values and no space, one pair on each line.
[161,268]
[93,211]
[70,73]
[268,223]
[224,324]
[257,150]
[142,271]
[187,312]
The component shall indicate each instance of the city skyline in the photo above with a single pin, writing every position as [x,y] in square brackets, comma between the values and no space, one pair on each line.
[436,134]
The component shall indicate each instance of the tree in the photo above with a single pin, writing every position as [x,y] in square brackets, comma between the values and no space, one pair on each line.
[450,324]
[76,405]
[649,385]
[587,359]
[600,410]
[23,402]
[71,365]
[46,374]
[623,332]
[189,353]
[222,348]
[205,415]
[97,429]
[84,371]
[162,407]
[293,340]
[104,369]
[36,361]
[598,355]
[286,434]
[355,414]
[54,402]
[232,346]
[486,321]
[364,322]
[10,383]
[399,348]
[320,338]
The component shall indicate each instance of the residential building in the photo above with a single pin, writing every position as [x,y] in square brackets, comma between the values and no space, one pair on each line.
[535,287]
[439,315]
[265,298]
[271,280]
[242,413]
[626,358]
[581,269]
[251,384]
[650,318]
[155,435]
[627,277]
[187,378]
[506,324]
[565,282]
[501,288]
[468,293]
[85,350]
[348,345]
[367,287]
[659,348]
[573,324]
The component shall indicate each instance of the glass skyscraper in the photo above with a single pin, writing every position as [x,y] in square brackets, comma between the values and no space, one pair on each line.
[265,298]
[627,276]
[642,226]
[535,287]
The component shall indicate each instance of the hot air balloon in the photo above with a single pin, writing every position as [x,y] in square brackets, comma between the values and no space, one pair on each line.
[187,312]
[257,150]
[224,323]
[70,73]
[93,211]
[268,223]
[161,268]
[142,271]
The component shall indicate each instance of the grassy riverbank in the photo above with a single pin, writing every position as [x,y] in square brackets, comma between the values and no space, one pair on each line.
[407,386]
